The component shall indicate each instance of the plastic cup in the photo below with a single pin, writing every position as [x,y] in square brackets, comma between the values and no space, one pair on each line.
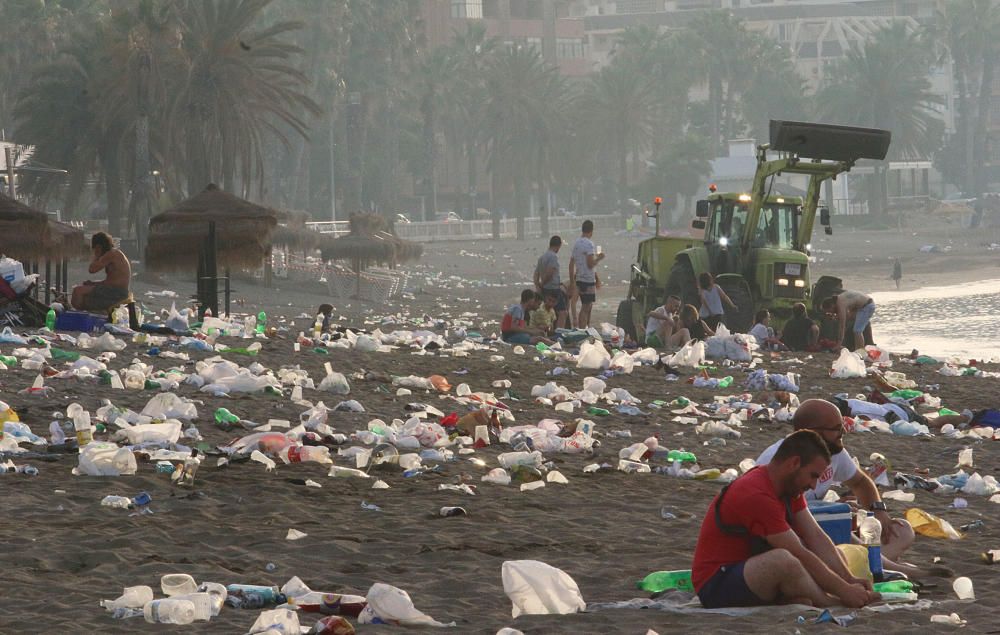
[178,584]
[963,588]
[598,250]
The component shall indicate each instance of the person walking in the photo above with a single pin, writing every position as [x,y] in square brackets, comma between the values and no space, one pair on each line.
[897,272]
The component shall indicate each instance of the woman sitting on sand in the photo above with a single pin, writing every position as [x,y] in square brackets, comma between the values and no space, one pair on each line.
[691,322]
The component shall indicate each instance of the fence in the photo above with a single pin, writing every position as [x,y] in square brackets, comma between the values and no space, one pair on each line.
[476,229]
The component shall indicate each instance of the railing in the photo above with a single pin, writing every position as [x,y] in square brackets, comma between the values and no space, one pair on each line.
[483,229]
[335,227]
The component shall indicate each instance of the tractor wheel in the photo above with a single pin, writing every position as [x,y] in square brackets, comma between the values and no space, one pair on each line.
[740,320]
[682,284]
[624,318]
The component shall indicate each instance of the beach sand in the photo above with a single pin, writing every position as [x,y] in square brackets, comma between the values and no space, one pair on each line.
[63,552]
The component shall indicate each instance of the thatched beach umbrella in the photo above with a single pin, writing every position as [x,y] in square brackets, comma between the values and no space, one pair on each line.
[369,242]
[24,232]
[242,229]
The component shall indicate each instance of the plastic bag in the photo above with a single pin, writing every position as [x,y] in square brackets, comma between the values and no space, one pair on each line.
[391,605]
[176,321]
[593,356]
[335,383]
[623,361]
[105,459]
[166,432]
[276,621]
[691,354]
[168,405]
[365,344]
[536,588]
[929,525]
[9,337]
[847,365]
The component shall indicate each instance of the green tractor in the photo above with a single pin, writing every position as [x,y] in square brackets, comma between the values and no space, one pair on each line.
[755,243]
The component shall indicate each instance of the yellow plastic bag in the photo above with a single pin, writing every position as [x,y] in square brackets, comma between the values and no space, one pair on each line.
[857,560]
[929,525]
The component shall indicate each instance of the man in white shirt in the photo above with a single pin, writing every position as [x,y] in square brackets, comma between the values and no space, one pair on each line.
[824,418]
[584,277]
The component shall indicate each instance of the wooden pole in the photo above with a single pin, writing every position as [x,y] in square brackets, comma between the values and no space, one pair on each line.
[48,281]
[9,152]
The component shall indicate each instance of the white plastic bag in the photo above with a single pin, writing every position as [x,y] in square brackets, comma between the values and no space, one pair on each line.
[335,383]
[623,361]
[276,621]
[847,365]
[536,588]
[175,320]
[593,356]
[105,459]
[691,354]
[391,605]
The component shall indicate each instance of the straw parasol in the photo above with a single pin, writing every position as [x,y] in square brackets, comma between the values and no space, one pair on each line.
[368,242]
[29,235]
[243,232]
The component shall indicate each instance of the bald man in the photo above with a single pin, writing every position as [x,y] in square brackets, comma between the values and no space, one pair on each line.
[825,419]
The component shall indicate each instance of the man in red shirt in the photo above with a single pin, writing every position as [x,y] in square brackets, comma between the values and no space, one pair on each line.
[760,545]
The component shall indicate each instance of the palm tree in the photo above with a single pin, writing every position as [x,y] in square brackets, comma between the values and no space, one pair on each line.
[970,34]
[434,73]
[678,170]
[523,100]
[471,50]
[773,90]
[238,87]
[621,108]
[884,84]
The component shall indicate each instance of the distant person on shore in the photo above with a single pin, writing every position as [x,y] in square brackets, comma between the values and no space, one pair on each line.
[100,296]
[851,304]
[764,334]
[800,333]
[691,327]
[514,328]
[585,258]
[897,272]
[760,545]
[712,298]
[661,322]
[546,279]
[326,310]
[826,420]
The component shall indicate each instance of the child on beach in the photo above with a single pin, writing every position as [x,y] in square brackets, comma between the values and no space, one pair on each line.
[661,322]
[764,334]
[544,317]
[712,298]
[514,327]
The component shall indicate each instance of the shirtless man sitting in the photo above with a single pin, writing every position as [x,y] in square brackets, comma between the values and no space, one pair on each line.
[99,296]
[851,304]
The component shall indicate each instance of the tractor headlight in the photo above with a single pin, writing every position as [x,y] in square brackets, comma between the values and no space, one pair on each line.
[800,283]
[723,241]
[782,282]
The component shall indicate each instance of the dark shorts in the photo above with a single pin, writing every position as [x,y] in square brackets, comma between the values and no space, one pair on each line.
[587,292]
[713,321]
[516,338]
[102,297]
[727,588]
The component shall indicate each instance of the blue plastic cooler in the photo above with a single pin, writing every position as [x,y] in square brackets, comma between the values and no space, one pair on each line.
[835,519]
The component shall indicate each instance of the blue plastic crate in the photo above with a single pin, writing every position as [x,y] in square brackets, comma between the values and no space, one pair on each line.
[835,519]
[80,321]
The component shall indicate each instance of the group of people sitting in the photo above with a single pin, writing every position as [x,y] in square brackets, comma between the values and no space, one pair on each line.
[532,320]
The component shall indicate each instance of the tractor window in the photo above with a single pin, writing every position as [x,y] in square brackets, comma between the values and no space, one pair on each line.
[777,227]
[717,222]
[728,219]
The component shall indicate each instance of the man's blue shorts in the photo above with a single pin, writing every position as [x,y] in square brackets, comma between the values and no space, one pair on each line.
[728,588]
[864,317]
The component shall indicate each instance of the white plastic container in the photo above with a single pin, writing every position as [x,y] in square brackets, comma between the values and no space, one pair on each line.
[178,584]
[202,605]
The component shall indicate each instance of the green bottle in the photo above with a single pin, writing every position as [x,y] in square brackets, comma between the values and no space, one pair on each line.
[541,347]
[680,402]
[223,416]
[9,362]
[662,580]
[942,411]
[104,377]
[261,322]
[59,355]
[725,381]
[50,320]
[894,586]
[905,393]
[683,457]
[526,473]
[597,412]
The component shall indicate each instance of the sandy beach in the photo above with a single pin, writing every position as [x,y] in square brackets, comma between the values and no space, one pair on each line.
[64,552]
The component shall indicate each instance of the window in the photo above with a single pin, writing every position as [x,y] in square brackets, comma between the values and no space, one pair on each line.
[569,48]
[467,9]
[639,6]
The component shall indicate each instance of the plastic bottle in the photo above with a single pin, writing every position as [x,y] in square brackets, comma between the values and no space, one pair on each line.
[684,457]
[870,531]
[526,473]
[318,326]
[261,322]
[249,326]
[169,611]
[726,381]
[896,586]
[202,605]
[597,412]
[50,320]
[84,433]
[249,596]
[508,459]
[131,597]
[306,454]
[224,417]
[185,476]
[8,361]
[662,580]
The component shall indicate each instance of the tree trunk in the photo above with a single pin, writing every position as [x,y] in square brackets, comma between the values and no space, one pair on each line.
[982,124]
[964,130]
[715,106]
